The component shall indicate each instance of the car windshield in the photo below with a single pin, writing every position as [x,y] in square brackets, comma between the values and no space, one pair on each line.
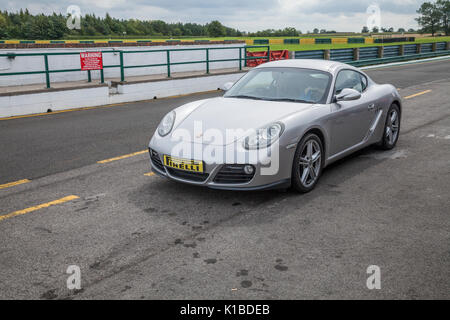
[283,84]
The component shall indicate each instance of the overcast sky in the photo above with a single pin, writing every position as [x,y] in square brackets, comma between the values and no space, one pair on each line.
[246,15]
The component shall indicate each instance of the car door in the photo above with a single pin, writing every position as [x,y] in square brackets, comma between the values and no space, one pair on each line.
[350,120]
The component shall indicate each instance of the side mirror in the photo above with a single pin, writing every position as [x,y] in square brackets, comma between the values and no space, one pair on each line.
[226,86]
[348,94]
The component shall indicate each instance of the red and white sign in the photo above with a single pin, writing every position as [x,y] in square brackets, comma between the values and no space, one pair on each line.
[91,61]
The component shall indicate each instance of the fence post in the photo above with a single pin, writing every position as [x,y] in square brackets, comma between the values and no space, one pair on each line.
[47,74]
[434,46]
[207,60]
[401,50]
[418,48]
[268,53]
[326,54]
[355,53]
[240,58]
[89,76]
[122,70]
[447,47]
[168,63]
[380,52]
[102,76]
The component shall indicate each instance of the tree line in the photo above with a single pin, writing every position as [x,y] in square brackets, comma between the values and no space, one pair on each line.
[24,25]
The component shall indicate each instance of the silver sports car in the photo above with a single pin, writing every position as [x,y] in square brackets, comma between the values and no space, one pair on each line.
[280,125]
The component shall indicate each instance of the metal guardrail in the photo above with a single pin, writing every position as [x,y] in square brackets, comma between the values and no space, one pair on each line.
[361,63]
[122,57]
[380,54]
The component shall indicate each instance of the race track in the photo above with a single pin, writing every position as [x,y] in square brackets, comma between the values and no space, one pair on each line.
[144,237]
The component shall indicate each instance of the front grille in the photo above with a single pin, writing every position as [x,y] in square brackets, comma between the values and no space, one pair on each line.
[233,174]
[187,175]
[156,161]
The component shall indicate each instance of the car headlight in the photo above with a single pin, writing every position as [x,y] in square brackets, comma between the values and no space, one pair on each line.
[264,137]
[166,124]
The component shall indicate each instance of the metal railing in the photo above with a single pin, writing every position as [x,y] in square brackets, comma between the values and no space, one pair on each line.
[122,57]
[361,56]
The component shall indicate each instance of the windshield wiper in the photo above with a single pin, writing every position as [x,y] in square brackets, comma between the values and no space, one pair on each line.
[245,97]
[291,100]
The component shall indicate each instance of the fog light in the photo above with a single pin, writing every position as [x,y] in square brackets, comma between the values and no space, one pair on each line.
[248,169]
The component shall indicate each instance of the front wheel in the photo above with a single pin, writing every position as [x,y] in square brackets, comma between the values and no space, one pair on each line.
[308,163]
[391,128]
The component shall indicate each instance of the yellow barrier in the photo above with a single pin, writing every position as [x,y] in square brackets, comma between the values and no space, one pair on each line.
[276,41]
[249,42]
[368,41]
[339,40]
[12,41]
[308,41]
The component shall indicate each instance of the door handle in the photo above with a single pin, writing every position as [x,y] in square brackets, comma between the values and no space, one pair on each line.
[371,106]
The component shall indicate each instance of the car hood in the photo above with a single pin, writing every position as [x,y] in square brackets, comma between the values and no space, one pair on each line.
[236,114]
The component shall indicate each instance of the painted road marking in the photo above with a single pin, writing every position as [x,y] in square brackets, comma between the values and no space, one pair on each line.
[41,206]
[123,157]
[14,183]
[149,174]
[417,94]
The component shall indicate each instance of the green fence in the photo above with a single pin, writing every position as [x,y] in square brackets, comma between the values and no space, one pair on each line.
[122,61]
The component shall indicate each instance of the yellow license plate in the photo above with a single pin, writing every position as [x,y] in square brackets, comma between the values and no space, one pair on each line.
[183,164]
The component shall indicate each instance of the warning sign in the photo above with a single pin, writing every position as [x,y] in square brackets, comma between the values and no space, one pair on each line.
[91,61]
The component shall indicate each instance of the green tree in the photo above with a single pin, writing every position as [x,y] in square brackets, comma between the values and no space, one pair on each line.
[365,30]
[216,29]
[3,27]
[443,6]
[430,17]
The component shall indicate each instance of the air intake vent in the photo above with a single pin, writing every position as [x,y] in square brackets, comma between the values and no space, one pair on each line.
[156,160]
[234,174]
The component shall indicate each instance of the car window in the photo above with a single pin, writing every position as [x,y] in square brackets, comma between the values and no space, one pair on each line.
[296,84]
[349,79]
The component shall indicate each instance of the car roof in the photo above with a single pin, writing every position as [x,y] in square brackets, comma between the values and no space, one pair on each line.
[316,64]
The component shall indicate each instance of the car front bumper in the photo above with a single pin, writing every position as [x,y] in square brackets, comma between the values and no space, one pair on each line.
[278,177]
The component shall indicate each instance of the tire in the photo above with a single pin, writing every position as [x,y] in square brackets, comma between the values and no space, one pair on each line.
[391,129]
[308,163]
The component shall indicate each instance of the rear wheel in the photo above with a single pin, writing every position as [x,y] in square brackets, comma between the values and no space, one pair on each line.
[308,163]
[391,128]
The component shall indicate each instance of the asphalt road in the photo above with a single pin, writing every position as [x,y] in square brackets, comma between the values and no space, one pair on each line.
[143,237]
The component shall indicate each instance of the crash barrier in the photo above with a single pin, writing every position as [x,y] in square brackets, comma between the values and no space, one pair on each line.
[243,57]
[261,57]
[309,41]
[376,55]
[392,40]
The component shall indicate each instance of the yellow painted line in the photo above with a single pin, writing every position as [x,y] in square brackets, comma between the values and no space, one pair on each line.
[417,94]
[123,157]
[41,206]
[149,174]
[14,183]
